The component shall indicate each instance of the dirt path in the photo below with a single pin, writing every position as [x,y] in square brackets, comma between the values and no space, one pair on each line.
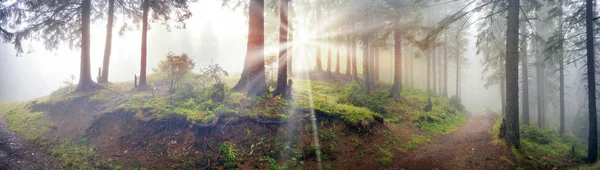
[467,148]
[18,154]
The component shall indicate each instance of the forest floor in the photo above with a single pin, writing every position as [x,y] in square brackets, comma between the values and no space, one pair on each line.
[18,153]
[118,127]
[470,147]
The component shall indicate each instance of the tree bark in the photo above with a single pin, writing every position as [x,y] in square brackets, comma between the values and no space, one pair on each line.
[376,64]
[108,42]
[540,86]
[591,76]
[328,55]
[433,70]
[348,57]
[85,76]
[429,70]
[445,89]
[503,95]
[561,72]
[512,75]
[525,77]
[318,67]
[458,66]
[283,32]
[411,65]
[337,61]
[397,86]
[291,39]
[354,65]
[257,84]
[366,82]
[145,8]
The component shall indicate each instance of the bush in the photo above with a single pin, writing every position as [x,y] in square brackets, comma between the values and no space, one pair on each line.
[353,94]
[176,66]
[215,74]
[68,86]
[534,134]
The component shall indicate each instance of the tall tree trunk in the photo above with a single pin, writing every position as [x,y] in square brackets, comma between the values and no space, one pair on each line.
[348,57]
[354,66]
[540,79]
[370,64]
[283,32]
[433,69]
[525,77]
[318,67]
[337,61]
[145,8]
[561,71]
[328,55]
[503,95]
[512,75]
[540,86]
[366,57]
[397,86]
[290,39]
[367,81]
[257,85]
[108,42]
[428,69]
[458,66]
[411,65]
[440,74]
[376,64]
[85,76]
[445,89]
[591,76]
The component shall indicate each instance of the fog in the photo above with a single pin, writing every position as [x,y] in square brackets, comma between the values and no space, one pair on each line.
[38,73]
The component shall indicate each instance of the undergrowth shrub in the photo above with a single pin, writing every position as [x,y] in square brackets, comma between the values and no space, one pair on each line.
[353,94]
[229,154]
[67,86]
[545,149]
[541,136]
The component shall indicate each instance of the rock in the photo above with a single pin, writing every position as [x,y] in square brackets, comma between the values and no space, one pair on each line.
[173,142]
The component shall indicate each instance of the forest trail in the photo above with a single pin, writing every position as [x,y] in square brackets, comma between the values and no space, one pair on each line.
[469,147]
[18,153]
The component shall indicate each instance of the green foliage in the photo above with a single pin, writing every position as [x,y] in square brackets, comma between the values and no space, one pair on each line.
[228,151]
[354,95]
[270,108]
[176,66]
[544,149]
[30,125]
[385,160]
[79,156]
[359,117]
[537,135]
[416,140]
[67,86]
[326,135]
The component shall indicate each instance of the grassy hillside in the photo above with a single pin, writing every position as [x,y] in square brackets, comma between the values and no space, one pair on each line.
[119,127]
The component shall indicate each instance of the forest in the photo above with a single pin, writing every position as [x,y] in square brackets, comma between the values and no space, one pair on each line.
[298,84]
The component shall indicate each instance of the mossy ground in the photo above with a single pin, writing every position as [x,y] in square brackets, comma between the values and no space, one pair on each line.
[544,148]
[347,133]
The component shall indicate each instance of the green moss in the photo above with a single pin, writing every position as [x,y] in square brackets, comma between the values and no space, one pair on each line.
[416,140]
[385,160]
[543,148]
[30,125]
[77,156]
